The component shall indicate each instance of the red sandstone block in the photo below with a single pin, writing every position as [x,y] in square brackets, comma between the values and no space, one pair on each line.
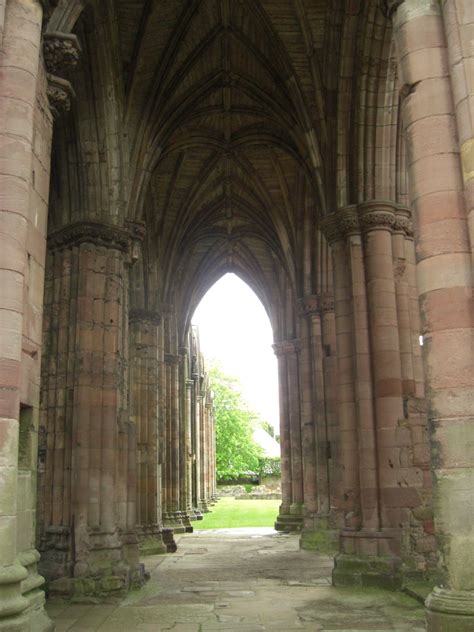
[400,497]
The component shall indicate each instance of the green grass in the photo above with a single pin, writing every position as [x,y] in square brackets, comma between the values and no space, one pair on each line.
[228,513]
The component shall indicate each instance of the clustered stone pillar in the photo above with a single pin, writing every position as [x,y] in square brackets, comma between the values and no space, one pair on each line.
[88,542]
[25,143]
[144,414]
[317,338]
[387,492]
[292,486]
[437,164]
[189,440]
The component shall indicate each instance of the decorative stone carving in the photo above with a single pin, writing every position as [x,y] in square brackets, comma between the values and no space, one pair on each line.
[90,232]
[326,302]
[285,347]
[330,228]
[376,215]
[61,53]
[309,305]
[137,231]
[171,358]
[402,222]
[144,315]
[60,94]
[348,221]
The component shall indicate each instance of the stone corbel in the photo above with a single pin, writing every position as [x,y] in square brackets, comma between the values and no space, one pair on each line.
[136,231]
[61,52]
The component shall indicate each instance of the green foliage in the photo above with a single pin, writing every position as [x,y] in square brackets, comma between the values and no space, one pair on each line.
[269,466]
[268,428]
[236,450]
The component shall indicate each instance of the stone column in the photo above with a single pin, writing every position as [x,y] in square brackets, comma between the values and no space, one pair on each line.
[329,371]
[349,486]
[309,414]
[172,516]
[189,386]
[21,599]
[144,414]
[292,507]
[88,542]
[445,293]
[185,440]
[400,228]
[201,456]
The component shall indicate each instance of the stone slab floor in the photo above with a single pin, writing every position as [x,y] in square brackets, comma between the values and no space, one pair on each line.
[242,580]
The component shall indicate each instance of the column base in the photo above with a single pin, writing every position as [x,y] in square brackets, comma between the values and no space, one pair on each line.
[173,520]
[450,610]
[186,520]
[32,589]
[196,515]
[290,518]
[169,541]
[317,535]
[106,567]
[372,570]
[204,507]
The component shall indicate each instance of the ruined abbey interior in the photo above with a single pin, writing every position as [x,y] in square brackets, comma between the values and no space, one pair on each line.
[323,151]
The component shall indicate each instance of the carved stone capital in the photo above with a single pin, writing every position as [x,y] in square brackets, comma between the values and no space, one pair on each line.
[103,235]
[172,359]
[348,221]
[309,305]
[145,316]
[285,347]
[61,52]
[60,94]
[330,228]
[326,302]
[376,215]
[403,223]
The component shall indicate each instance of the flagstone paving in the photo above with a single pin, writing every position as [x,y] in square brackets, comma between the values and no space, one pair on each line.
[242,580]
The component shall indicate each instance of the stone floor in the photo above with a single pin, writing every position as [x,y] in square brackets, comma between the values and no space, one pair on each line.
[243,580]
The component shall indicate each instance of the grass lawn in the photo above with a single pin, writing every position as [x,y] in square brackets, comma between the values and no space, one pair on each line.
[228,513]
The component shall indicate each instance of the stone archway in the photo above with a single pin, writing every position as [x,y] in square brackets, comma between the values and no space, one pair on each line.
[299,144]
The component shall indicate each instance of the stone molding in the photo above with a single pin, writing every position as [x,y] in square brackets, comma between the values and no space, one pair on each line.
[103,235]
[285,347]
[457,602]
[144,315]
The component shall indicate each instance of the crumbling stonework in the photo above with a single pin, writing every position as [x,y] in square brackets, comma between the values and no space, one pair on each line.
[322,152]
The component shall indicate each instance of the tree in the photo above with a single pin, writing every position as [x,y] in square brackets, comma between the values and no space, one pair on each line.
[236,450]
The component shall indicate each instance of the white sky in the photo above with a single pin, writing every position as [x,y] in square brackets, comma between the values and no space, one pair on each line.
[235,330]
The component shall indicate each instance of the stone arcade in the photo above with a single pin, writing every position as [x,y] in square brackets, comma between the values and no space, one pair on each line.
[321,150]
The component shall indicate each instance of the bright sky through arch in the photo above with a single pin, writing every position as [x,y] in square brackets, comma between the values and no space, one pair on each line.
[235,330]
